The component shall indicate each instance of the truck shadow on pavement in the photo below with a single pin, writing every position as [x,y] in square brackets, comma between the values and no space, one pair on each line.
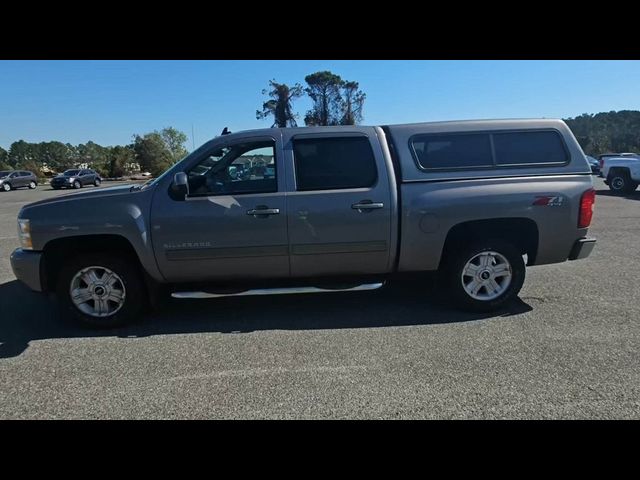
[28,316]
[608,193]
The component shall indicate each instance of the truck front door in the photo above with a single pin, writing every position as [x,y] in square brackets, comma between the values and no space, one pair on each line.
[233,223]
[340,203]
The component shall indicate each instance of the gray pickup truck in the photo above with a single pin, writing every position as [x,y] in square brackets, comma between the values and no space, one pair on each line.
[320,209]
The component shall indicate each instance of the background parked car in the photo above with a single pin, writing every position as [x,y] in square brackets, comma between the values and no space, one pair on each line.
[10,179]
[76,178]
[604,156]
[595,165]
[622,174]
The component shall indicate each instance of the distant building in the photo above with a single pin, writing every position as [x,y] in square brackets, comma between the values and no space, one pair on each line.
[132,167]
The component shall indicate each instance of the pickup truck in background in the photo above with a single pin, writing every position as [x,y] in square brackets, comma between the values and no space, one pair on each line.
[622,174]
[325,209]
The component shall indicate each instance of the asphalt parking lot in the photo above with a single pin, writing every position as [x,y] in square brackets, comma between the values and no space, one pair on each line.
[568,349]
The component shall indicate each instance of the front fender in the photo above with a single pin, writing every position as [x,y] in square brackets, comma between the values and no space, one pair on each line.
[122,214]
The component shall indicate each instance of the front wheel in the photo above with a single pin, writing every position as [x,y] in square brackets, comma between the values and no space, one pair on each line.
[77,184]
[102,290]
[6,187]
[485,276]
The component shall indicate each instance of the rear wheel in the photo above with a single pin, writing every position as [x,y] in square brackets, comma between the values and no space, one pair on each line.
[102,290]
[485,276]
[96,182]
[620,182]
[32,185]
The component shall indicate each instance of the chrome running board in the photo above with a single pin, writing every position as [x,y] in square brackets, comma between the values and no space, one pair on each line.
[277,291]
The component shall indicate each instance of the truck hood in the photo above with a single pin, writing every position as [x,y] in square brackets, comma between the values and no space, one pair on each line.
[75,196]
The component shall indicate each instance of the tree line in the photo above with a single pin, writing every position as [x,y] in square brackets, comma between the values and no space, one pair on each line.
[154,152]
[607,131]
[335,101]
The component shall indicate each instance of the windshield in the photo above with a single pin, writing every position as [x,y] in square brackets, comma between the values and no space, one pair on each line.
[5,173]
[71,173]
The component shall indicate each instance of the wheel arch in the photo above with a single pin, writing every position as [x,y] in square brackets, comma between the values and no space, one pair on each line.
[618,171]
[522,232]
[57,251]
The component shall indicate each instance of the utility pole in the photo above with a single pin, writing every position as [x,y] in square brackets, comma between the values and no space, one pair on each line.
[193,141]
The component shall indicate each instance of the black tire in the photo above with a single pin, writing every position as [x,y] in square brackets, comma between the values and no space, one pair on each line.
[32,185]
[77,184]
[457,261]
[56,188]
[620,182]
[135,298]
[6,187]
[96,182]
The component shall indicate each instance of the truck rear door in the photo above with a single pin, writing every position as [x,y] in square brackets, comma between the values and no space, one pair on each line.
[339,203]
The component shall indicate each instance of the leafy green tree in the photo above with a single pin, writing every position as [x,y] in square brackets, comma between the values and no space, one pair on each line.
[324,90]
[25,156]
[352,103]
[281,104]
[119,157]
[4,156]
[21,153]
[174,140]
[152,153]
[56,155]
[607,131]
[93,154]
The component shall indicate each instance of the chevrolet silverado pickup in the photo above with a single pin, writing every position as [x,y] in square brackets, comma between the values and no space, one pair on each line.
[622,174]
[320,209]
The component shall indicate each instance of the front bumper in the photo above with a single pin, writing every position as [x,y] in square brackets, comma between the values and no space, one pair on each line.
[582,248]
[26,268]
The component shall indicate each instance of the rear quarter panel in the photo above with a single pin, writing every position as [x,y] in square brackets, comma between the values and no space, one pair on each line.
[430,210]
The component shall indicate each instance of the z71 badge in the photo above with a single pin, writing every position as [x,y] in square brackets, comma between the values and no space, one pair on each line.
[548,201]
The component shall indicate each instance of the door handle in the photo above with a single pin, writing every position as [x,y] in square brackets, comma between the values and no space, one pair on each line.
[263,211]
[367,205]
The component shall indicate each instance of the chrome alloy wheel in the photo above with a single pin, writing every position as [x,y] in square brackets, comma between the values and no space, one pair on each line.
[97,291]
[486,276]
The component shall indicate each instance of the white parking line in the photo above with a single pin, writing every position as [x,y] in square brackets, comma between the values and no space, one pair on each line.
[8,238]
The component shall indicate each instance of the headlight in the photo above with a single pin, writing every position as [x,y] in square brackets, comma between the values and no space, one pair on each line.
[71,180]
[24,233]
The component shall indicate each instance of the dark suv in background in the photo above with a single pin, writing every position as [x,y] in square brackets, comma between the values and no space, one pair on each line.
[10,179]
[76,178]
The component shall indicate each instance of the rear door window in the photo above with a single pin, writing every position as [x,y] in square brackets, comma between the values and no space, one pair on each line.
[334,163]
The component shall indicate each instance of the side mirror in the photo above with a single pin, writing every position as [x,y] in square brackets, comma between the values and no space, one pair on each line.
[180,186]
